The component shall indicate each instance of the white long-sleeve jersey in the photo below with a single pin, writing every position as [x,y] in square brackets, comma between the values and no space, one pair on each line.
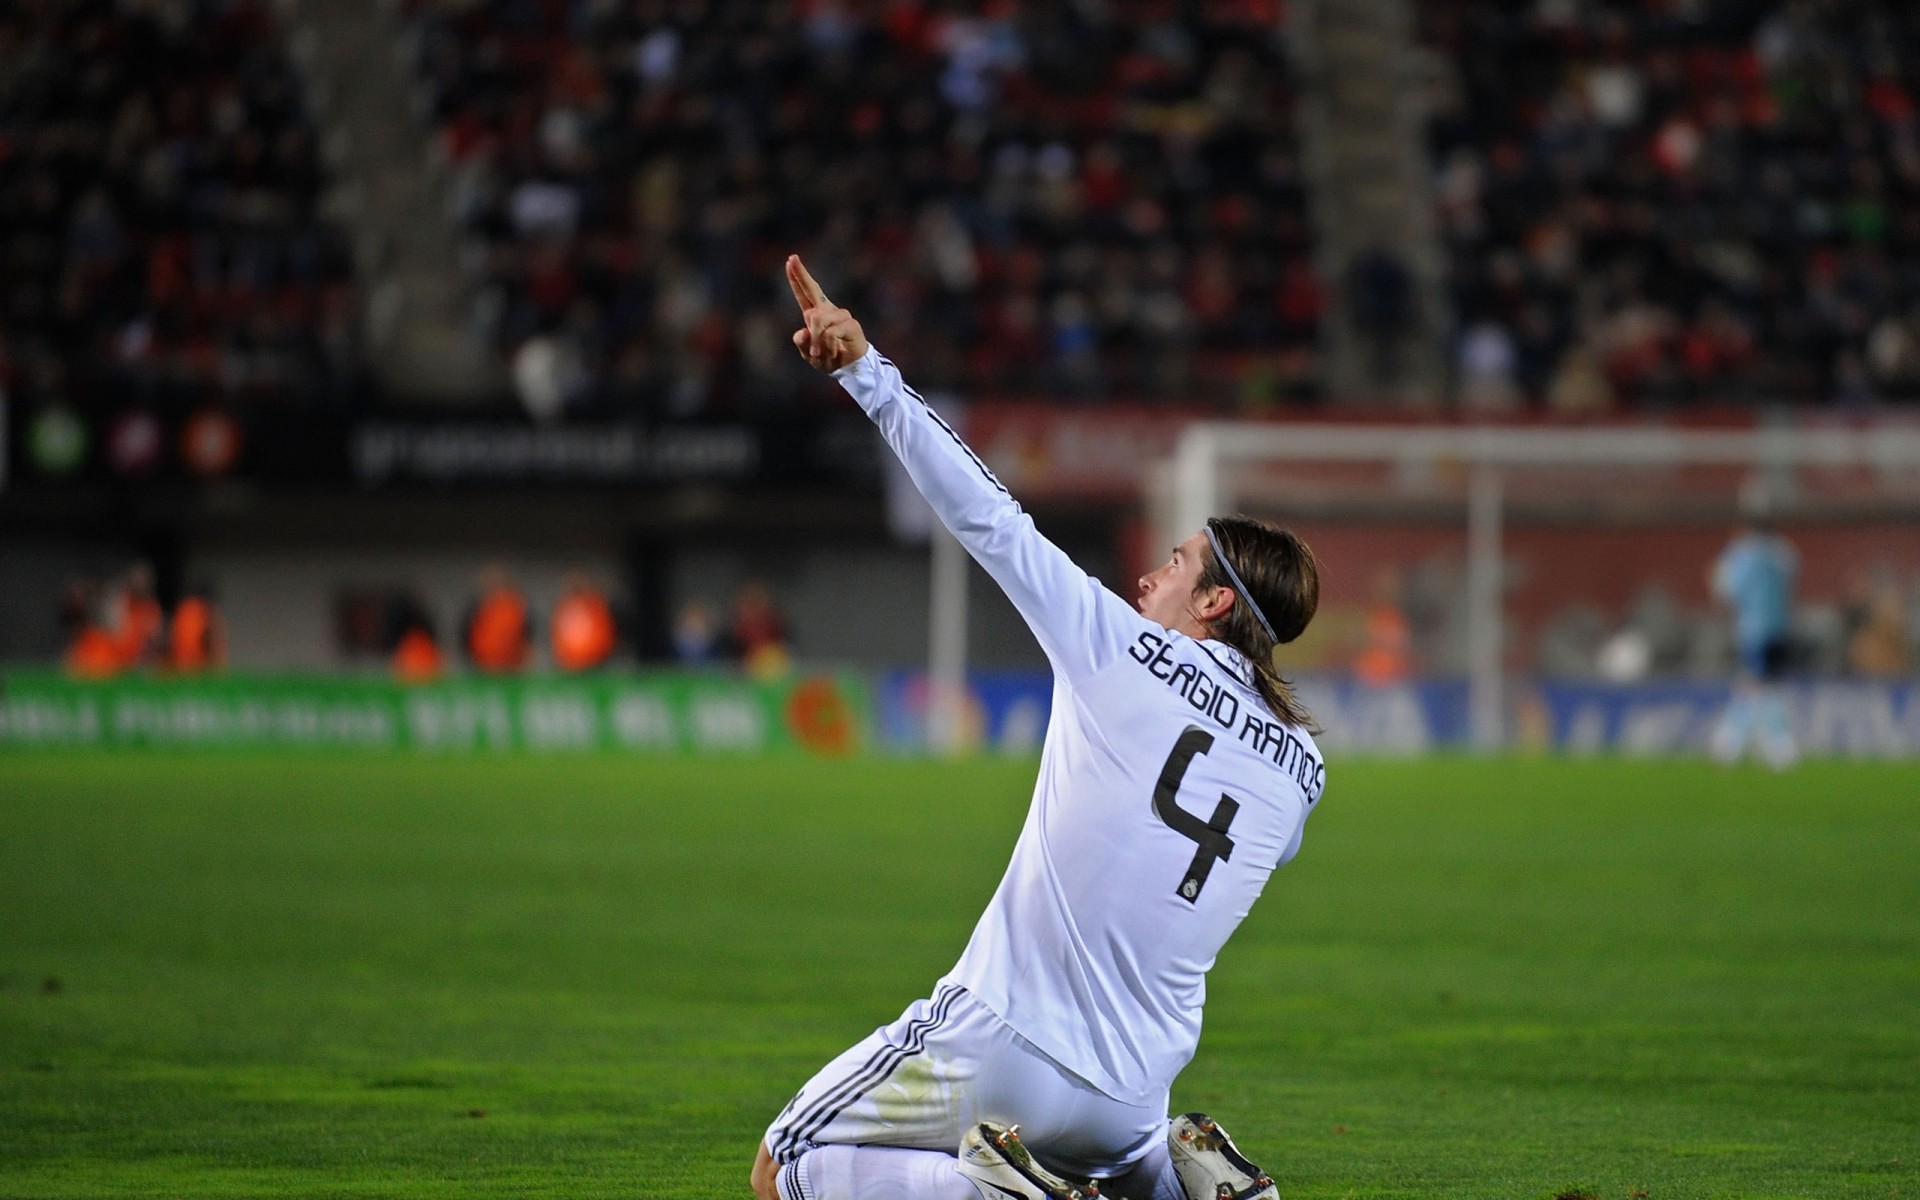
[1168,791]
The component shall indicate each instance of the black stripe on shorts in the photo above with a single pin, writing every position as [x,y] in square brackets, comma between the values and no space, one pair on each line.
[871,1074]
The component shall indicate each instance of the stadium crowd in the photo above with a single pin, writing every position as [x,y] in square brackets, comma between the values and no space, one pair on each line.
[1077,200]
[1658,204]
[160,243]
[1648,204]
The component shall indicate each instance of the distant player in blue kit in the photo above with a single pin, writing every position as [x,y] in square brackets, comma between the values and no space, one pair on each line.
[1177,774]
[1754,578]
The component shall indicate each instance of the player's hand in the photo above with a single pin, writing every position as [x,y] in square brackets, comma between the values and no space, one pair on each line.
[831,338]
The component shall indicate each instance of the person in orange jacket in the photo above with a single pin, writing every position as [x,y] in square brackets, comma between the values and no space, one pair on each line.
[135,619]
[116,632]
[197,636]
[583,630]
[497,634]
[416,655]
[92,652]
[1386,647]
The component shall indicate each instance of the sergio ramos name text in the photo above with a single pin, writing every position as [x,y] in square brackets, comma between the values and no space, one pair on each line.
[1213,700]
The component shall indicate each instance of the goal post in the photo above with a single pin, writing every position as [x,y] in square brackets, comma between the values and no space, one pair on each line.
[1484,477]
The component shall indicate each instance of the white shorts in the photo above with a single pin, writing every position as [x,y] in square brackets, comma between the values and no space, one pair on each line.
[948,1063]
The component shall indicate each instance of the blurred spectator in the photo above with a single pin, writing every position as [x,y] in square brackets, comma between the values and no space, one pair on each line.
[92,651]
[1380,293]
[134,617]
[583,630]
[1569,645]
[497,631]
[362,628]
[1878,645]
[93,655]
[159,230]
[1655,638]
[548,375]
[1488,360]
[196,636]
[1578,388]
[1668,631]
[407,633]
[1095,198]
[696,635]
[78,605]
[1714,202]
[1626,656]
[1386,649]
[417,657]
[757,633]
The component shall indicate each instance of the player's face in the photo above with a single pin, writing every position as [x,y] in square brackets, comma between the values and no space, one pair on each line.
[1166,593]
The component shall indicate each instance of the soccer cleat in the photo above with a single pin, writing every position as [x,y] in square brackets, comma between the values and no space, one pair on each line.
[1003,1169]
[1210,1166]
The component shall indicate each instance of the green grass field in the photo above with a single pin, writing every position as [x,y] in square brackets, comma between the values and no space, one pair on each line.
[327,976]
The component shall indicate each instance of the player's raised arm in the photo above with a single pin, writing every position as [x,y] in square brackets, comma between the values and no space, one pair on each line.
[1078,623]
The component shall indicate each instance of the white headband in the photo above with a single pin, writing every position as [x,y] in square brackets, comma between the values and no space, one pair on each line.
[1239,588]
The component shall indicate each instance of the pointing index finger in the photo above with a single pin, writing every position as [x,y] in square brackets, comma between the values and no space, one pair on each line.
[805,290]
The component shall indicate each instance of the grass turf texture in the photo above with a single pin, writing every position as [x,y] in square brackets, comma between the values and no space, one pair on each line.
[254,976]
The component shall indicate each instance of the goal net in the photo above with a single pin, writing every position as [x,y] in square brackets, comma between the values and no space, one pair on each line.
[1507,559]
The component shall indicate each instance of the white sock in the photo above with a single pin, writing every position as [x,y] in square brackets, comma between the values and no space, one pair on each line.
[874,1173]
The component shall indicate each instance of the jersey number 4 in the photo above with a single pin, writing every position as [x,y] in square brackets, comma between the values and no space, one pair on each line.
[1210,836]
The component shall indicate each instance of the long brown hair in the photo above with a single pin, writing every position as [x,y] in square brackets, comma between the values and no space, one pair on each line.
[1283,577]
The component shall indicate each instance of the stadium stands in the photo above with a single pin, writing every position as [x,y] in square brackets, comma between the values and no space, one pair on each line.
[1648,204]
[159,240]
[1670,205]
[1077,201]
[1651,206]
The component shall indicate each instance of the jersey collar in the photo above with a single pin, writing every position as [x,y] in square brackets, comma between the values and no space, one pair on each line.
[1227,659]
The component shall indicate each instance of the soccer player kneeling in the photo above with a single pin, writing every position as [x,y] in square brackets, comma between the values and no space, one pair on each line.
[1178,761]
